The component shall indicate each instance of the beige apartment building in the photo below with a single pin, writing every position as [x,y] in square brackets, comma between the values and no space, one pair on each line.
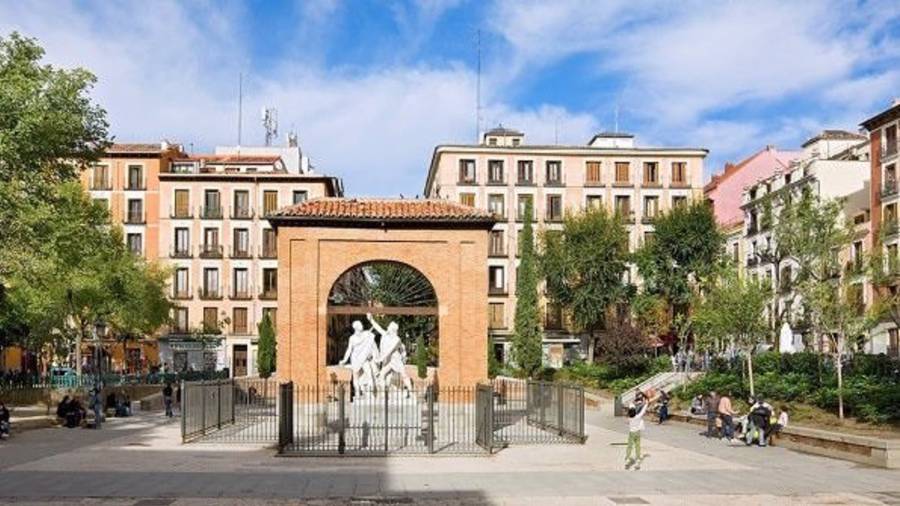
[503,172]
[204,216]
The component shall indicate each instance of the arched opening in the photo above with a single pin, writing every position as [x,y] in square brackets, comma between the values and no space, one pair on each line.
[392,292]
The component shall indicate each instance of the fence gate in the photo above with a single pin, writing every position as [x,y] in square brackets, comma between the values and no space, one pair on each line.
[484,417]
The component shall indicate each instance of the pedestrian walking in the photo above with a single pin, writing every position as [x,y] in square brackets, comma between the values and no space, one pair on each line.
[167,399]
[712,414]
[96,404]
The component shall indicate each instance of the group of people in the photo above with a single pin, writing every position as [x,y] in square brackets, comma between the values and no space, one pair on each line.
[71,412]
[758,425]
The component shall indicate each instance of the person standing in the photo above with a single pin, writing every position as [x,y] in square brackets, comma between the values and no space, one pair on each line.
[167,399]
[726,411]
[96,404]
[663,407]
[712,414]
[635,427]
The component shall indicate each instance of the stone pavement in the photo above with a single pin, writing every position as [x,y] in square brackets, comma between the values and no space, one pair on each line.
[140,461]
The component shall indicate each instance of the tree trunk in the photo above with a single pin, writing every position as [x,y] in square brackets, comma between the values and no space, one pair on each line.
[591,345]
[750,373]
[839,367]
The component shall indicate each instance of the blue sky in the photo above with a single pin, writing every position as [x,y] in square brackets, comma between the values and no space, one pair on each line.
[371,87]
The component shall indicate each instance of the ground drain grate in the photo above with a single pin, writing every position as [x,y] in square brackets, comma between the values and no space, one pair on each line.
[363,501]
[627,500]
[154,502]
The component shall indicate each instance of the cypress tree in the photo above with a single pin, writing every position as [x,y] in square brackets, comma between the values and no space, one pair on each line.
[266,353]
[527,348]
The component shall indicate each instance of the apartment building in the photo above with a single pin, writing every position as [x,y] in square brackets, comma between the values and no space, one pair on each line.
[503,173]
[205,217]
[832,165]
[884,163]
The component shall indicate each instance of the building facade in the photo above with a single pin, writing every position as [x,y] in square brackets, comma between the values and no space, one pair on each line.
[884,162]
[204,217]
[833,165]
[503,173]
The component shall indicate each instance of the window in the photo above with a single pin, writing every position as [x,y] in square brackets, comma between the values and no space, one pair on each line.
[593,173]
[525,171]
[241,204]
[270,283]
[554,208]
[651,207]
[890,140]
[100,178]
[679,200]
[523,201]
[622,173]
[516,142]
[553,319]
[135,177]
[135,243]
[679,173]
[497,315]
[210,319]
[270,202]
[735,252]
[211,245]
[594,201]
[271,312]
[182,242]
[467,171]
[467,199]
[497,204]
[623,205]
[135,211]
[495,171]
[241,283]
[182,204]
[651,173]
[857,254]
[893,262]
[241,243]
[182,283]
[299,196]
[648,236]
[496,279]
[181,320]
[269,244]
[554,172]
[239,320]
[212,205]
[492,141]
[210,282]
[496,245]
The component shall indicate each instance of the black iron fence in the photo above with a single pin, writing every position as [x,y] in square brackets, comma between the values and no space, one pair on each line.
[307,420]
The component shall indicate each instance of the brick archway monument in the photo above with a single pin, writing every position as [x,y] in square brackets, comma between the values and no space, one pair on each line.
[322,239]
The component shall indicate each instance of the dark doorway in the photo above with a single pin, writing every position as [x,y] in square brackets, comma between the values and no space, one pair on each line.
[239,361]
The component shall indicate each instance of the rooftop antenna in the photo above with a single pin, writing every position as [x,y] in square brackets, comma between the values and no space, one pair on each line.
[478,90]
[240,108]
[270,123]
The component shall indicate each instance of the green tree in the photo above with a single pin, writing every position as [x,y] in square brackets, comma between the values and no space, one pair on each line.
[493,363]
[583,266]
[683,256]
[732,311]
[527,346]
[267,348]
[421,358]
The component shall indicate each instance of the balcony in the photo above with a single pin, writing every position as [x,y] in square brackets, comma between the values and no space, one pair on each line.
[648,217]
[493,290]
[622,184]
[651,184]
[268,294]
[244,294]
[211,212]
[890,188]
[269,211]
[135,218]
[182,294]
[181,252]
[181,213]
[626,214]
[240,253]
[889,150]
[210,293]
[679,184]
[853,268]
[554,217]
[210,251]
[241,213]
[268,252]
[101,185]
[890,227]
[497,250]
[135,186]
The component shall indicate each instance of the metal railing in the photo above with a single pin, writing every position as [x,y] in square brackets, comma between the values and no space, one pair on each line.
[333,420]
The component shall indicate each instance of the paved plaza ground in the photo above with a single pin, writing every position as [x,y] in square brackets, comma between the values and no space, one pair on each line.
[140,461]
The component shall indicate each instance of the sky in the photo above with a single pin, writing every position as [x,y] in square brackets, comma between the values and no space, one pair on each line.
[372,87]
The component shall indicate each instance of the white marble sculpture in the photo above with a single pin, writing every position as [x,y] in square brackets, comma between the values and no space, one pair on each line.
[362,352]
[392,357]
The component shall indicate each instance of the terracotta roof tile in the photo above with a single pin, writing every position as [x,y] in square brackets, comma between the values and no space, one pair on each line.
[385,210]
[135,148]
